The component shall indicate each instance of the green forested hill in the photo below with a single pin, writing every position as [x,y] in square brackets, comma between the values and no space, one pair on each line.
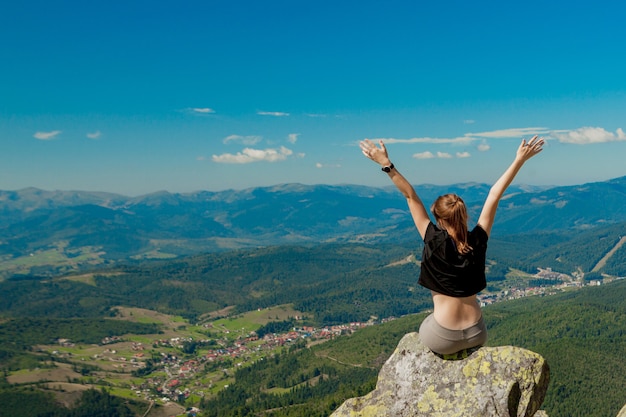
[564,251]
[582,335]
[331,283]
[581,332]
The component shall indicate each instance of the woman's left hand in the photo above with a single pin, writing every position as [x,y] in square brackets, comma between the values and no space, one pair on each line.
[529,149]
[373,152]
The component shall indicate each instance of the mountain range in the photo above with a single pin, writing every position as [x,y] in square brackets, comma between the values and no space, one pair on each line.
[337,253]
[45,228]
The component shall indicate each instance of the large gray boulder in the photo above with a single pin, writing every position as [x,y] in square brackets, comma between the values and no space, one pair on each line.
[491,381]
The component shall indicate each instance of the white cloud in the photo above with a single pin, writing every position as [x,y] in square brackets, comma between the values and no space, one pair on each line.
[94,135]
[46,135]
[246,140]
[423,155]
[293,137]
[483,147]
[468,121]
[440,155]
[510,133]
[581,136]
[272,113]
[588,135]
[320,165]
[202,110]
[472,137]
[249,155]
[462,140]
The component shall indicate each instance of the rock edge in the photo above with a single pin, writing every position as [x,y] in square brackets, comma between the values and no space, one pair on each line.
[492,381]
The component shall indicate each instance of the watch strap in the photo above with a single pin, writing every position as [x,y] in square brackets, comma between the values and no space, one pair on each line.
[388,168]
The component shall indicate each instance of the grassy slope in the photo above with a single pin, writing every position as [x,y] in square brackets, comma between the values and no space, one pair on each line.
[582,335]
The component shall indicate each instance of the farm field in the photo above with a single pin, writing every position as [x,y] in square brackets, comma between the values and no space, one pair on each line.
[118,363]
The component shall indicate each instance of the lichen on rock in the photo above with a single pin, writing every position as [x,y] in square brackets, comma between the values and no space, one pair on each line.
[490,381]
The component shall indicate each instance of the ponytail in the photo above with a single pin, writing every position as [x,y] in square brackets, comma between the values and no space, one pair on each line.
[451,214]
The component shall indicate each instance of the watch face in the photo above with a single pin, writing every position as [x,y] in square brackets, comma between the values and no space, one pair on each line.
[387,169]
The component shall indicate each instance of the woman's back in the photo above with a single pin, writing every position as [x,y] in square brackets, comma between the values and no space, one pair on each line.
[456,313]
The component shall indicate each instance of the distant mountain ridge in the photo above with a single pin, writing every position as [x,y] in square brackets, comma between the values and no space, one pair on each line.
[167,224]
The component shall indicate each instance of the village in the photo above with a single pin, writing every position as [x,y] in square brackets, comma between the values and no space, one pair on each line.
[165,370]
[242,350]
[553,282]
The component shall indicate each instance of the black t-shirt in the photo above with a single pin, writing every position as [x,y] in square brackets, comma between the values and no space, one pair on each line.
[446,271]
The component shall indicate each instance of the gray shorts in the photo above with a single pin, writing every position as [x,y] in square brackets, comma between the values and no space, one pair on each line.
[445,341]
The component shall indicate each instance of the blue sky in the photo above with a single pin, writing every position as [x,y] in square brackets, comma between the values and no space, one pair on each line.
[134,97]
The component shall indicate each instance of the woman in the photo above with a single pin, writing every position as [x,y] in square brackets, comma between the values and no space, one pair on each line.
[453,260]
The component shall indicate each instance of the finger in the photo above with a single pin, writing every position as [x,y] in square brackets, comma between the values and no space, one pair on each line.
[537,140]
[539,143]
[366,149]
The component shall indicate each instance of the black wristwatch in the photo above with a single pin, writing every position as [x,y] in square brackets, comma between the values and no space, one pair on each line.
[388,169]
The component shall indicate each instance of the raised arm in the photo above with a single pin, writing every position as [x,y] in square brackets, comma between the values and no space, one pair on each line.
[525,151]
[416,207]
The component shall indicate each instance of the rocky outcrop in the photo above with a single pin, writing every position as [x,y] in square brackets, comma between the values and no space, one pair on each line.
[491,381]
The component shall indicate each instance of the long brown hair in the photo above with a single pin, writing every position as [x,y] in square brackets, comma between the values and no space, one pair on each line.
[451,214]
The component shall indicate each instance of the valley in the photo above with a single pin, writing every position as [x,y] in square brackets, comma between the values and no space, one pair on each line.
[186,363]
[137,305]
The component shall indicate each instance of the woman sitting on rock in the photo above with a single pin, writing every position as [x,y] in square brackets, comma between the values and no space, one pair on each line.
[453,259]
